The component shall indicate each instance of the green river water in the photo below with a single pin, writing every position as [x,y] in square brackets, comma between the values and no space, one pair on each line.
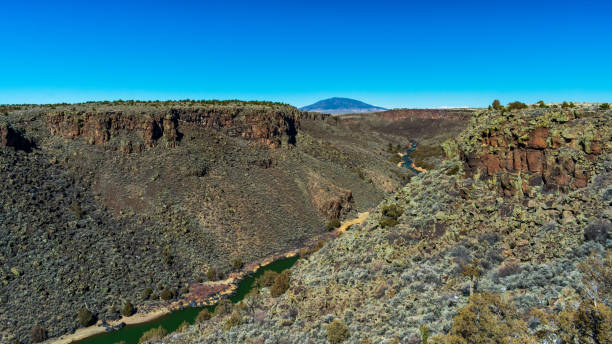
[131,334]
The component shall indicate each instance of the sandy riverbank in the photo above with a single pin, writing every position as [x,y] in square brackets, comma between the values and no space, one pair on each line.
[93,330]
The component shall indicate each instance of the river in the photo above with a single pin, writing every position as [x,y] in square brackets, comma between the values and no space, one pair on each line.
[406,160]
[130,334]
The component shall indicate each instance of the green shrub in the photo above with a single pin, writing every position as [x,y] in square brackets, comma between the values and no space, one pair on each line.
[387,222]
[203,316]
[183,327]
[497,105]
[211,274]
[234,320]
[224,307]
[153,334]
[516,106]
[146,294]
[604,106]
[237,263]
[281,284]
[76,209]
[566,105]
[167,294]
[394,149]
[424,152]
[128,309]
[38,334]
[453,170]
[487,319]
[86,317]
[267,279]
[425,333]
[391,213]
[395,159]
[333,224]
[337,332]
[541,104]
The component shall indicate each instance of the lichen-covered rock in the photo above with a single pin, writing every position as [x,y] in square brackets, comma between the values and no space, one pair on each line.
[559,146]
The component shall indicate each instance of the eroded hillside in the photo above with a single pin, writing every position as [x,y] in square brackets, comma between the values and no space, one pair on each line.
[513,226]
[101,201]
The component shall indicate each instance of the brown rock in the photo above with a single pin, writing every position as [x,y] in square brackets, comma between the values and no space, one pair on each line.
[537,138]
[534,160]
[492,163]
[595,148]
[507,160]
[560,177]
[567,163]
[580,178]
[520,160]
[556,141]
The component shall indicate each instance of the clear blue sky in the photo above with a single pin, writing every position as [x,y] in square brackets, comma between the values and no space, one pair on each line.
[387,53]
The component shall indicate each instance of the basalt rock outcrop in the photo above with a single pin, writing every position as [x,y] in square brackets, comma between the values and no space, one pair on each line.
[269,127]
[135,132]
[141,128]
[557,149]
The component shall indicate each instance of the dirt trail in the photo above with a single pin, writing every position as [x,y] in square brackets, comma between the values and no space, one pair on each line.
[346,224]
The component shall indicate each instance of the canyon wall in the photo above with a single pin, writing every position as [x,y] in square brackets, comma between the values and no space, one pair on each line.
[142,130]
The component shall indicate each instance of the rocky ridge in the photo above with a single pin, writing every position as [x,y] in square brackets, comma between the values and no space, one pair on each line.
[141,127]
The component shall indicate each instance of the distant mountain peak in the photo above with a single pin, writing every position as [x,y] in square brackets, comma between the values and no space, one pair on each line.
[338,105]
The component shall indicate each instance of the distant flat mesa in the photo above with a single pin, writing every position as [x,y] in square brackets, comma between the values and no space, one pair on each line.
[338,106]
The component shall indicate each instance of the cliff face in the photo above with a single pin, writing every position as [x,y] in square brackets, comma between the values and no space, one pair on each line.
[271,128]
[550,148]
[99,128]
[139,130]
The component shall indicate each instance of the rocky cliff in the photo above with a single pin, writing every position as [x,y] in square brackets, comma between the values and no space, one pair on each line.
[98,128]
[554,148]
[270,128]
[138,128]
